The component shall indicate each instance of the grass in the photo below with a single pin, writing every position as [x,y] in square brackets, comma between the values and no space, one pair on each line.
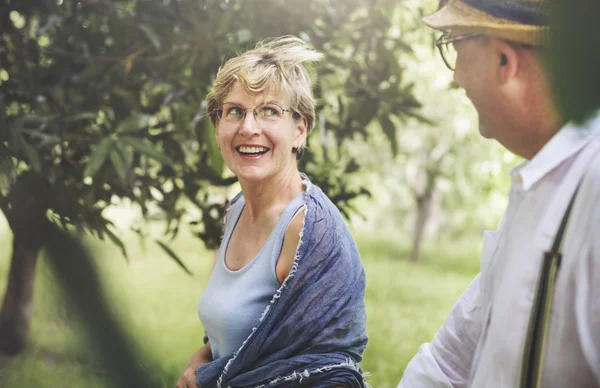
[406,304]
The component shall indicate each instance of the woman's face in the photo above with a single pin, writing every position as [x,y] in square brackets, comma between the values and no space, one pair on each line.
[258,148]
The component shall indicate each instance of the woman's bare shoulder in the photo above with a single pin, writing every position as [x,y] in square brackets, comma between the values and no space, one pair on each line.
[290,245]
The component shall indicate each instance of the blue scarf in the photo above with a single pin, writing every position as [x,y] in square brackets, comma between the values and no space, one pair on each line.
[313,332]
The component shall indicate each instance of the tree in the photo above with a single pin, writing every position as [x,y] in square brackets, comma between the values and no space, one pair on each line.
[444,175]
[102,99]
[450,169]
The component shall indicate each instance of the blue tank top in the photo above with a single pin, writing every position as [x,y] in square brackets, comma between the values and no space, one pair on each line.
[234,301]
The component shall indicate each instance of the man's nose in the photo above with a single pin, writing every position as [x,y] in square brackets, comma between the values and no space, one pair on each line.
[457,79]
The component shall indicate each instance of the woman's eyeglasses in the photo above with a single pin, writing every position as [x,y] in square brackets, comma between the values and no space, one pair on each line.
[266,114]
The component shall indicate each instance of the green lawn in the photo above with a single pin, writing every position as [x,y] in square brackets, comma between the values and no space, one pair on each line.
[406,304]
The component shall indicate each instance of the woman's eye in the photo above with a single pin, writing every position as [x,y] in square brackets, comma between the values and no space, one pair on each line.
[270,111]
[235,111]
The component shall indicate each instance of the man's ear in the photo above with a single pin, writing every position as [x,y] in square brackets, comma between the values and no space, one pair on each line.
[508,61]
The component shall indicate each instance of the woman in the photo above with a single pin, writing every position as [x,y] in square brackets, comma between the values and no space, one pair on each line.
[285,303]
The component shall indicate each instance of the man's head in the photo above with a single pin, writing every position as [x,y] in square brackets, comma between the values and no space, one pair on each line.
[495,48]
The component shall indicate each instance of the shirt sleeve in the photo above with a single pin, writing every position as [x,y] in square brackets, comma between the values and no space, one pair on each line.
[593,354]
[446,361]
[587,298]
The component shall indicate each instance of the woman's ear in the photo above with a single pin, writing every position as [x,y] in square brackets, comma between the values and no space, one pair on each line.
[301,132]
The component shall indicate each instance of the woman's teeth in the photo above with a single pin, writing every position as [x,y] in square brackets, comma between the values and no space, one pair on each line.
[252,150]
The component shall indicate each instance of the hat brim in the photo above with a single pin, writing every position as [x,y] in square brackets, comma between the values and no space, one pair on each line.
[457,14]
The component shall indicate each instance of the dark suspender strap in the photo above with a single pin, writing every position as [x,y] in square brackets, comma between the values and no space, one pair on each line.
[558,240]
[539,320]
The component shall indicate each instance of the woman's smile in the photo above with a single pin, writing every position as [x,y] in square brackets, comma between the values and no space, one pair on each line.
[251,152]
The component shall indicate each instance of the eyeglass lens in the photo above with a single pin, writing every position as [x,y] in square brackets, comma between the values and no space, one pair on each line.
[450,54]
[266,113]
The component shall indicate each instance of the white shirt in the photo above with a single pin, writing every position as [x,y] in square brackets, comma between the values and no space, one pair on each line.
[481,342]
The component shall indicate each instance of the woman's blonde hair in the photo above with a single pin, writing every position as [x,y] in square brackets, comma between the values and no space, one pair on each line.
[277,65]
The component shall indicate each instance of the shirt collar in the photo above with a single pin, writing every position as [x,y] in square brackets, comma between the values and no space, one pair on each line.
[568,141]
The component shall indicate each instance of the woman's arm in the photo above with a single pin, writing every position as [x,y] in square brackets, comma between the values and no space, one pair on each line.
[201,357]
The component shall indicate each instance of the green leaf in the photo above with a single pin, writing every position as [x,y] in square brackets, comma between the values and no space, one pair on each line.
[124,160]
[117,241]
[32,155]
[127,153]
[5,151]
[351,167]
[44,138]
[422,119]
[119,164]
[390,131]
[129,100]
[173,256]
[133,123]
[145,148]
[98,157]
[152,36]
[341,107]
[34,118]
[83,116]
[8,173]
[215,159]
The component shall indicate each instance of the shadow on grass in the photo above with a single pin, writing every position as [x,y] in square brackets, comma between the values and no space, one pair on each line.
[77,275]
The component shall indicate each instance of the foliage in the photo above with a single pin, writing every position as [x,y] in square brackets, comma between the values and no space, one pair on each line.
[441,156]
[101,101]
[99,98]
[574,58]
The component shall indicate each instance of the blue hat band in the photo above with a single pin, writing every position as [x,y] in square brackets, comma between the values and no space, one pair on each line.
[516,11]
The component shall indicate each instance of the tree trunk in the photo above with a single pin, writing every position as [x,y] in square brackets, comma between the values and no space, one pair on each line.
[25,210]
[17,309]
[422,215]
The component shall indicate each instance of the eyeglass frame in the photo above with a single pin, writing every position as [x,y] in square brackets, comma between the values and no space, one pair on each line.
[256,116]
[446,39]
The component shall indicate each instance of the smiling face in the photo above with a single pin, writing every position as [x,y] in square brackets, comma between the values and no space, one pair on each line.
[257,149]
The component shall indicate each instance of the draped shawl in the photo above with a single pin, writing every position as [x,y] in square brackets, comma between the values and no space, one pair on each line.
[313,332]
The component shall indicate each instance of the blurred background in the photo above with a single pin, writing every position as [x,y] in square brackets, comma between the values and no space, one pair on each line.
[112,187]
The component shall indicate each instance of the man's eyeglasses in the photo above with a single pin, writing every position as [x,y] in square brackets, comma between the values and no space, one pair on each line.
[445,44]
[266,114]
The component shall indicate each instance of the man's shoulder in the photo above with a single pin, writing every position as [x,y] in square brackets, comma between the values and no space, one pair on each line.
[589,190]
[592,173]
[590,184]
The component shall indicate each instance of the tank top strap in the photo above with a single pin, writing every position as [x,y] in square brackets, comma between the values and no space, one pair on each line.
[233,217]
[291,210]
[278,234]
[274,242]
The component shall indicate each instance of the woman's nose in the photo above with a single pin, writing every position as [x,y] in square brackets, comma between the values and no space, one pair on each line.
[249,125]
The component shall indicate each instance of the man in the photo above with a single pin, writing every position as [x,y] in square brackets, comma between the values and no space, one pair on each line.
[498,334]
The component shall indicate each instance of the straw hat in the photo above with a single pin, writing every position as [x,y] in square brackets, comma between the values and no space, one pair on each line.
[523,21]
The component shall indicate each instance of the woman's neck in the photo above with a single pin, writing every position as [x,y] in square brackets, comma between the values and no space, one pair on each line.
[272,193]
